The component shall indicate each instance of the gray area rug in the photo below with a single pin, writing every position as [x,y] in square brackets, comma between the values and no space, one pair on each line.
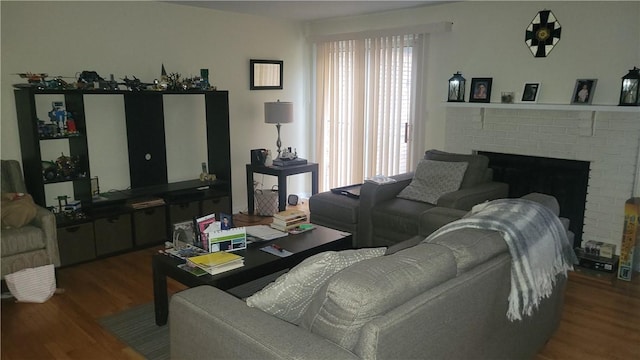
[137,328]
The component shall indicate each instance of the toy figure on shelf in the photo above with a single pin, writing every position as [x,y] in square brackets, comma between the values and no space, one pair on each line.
[58,115]
[71,125]
[47,130]
[174,82]
[134,84]
[68,167]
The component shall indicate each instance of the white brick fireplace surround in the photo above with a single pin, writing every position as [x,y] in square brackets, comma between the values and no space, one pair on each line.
[606,136]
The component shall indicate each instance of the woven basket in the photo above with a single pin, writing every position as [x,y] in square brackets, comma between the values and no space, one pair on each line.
[266,201]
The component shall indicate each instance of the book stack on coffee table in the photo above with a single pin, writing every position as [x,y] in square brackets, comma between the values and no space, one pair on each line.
[288,219]
[217,262]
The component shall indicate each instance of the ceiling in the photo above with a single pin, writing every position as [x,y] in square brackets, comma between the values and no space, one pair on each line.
[306,10]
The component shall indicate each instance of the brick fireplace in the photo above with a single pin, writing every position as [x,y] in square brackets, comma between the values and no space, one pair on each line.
[606,138]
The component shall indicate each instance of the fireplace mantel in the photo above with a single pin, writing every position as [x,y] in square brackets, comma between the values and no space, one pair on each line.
[554,107]
[593,109]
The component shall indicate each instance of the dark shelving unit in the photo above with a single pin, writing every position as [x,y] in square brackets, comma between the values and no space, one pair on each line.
[112,219]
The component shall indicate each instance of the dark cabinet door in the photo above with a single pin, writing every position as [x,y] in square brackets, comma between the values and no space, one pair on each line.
[146,139]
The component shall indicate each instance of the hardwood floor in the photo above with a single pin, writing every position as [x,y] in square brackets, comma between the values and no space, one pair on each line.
[601,320]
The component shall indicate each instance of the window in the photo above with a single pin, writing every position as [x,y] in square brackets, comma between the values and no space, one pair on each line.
[364,107]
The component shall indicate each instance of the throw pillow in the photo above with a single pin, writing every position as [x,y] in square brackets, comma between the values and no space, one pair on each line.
[433,179]
[371,288]
[18,210]
[476,171]
[290,295]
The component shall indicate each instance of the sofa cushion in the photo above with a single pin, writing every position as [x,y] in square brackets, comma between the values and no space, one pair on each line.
[472,247]
[21,240]
[398,215]
[372,287]
[289,296]
[476,172]
[433,179]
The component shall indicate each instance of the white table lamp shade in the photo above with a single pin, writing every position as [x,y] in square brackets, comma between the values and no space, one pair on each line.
[278,112]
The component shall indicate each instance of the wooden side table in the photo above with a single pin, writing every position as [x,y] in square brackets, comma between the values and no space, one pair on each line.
[281,172]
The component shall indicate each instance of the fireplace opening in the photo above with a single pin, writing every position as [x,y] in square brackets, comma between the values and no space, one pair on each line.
[566,180]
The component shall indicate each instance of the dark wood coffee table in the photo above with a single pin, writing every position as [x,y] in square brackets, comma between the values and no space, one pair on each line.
[257,264]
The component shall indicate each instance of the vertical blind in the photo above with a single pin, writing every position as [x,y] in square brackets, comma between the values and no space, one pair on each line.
[363,107]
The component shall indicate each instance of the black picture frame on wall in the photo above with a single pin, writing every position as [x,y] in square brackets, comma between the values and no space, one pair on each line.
[266,74]
[480,90]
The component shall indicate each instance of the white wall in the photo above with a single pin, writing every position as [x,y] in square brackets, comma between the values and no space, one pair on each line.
[136,38]
[599,40]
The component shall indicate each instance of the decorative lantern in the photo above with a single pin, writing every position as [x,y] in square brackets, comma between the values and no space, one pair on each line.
[629,90]
[456,88]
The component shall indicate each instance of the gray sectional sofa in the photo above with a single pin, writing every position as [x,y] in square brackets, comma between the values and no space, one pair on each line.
[442,299]
[380,217]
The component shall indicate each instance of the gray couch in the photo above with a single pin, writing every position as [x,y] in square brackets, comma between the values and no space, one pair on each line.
[380,218]
[386,219]
[446,299]
[32,245]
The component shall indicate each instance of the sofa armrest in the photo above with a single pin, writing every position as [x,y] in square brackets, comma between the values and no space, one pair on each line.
[208,323]
[372,194]
[46,220]
[465,199]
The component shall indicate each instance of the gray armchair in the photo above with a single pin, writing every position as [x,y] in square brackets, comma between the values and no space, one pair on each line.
[34,244]
[386,219]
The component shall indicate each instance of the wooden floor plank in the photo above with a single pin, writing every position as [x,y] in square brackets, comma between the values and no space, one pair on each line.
[601,319]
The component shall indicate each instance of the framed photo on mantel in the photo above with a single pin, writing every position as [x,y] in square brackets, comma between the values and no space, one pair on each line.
[583,91]
[530,92]
[480,90]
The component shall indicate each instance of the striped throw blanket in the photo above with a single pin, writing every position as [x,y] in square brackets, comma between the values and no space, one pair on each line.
[538,244]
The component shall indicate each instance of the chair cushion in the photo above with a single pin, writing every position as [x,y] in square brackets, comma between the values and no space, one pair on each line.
[289,296]
[21,240]
[372,287]
[476,171]
[433,179]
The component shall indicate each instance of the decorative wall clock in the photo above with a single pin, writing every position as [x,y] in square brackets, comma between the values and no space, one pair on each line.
[543,33]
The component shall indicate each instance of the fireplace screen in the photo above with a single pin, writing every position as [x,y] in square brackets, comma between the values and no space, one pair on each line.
[565,179]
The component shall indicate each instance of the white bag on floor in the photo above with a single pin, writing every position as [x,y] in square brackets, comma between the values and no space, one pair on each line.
[33,285]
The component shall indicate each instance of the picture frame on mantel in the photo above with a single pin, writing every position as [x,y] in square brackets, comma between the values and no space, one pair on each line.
[480,90]
[531,92]
[583,91]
